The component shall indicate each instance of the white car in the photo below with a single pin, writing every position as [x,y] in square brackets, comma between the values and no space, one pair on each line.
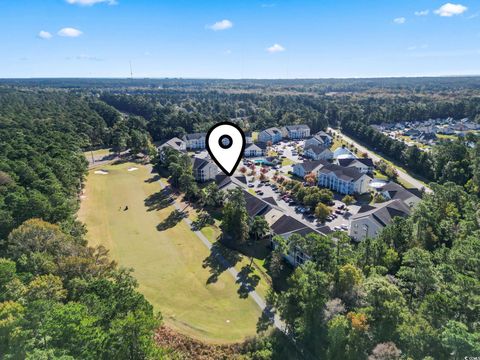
[344,227]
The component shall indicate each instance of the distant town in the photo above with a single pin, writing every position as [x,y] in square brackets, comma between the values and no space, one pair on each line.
[427,133]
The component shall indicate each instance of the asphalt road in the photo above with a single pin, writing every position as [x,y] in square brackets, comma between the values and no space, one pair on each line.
[401,174]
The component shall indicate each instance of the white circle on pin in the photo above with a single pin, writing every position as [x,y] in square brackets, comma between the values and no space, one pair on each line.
[225,143]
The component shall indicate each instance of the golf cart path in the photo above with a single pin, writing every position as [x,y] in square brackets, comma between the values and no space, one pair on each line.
[231,270]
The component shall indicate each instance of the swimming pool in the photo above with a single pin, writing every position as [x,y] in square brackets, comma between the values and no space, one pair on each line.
[377,184]
[262,162]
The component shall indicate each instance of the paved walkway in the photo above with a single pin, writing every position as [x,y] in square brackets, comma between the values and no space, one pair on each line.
[231,270]
[401,174]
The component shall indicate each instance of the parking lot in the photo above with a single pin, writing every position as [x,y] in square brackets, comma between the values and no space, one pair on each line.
[286,150]
[340,218]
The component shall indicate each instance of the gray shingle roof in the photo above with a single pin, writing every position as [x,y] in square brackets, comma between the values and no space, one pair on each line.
[199,163]
[195,136]
[309,166]
[364,161]
[174,143]
[344,173]
[396,191]
[286,224]
[272,131]
[317,149]
[254,205]
[383,213]
[297,127]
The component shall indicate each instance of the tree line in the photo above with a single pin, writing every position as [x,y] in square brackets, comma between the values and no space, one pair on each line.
[60,298]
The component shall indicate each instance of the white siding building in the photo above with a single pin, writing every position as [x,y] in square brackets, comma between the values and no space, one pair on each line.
[296,131]
[195,141]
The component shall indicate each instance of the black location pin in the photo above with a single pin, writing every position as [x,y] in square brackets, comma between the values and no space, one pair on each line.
[225,143]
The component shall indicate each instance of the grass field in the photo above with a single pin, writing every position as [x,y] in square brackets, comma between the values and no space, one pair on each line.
[212,233]
[174,269]
[97,153]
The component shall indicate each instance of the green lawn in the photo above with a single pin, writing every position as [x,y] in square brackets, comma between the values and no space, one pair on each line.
[378,175]
[97,153]
[174,269]
[337,142]
[212,233]
[287,161]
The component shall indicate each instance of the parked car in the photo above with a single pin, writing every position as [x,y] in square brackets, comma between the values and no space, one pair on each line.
[341,207]
[344,226]
[250,185]
[337,228]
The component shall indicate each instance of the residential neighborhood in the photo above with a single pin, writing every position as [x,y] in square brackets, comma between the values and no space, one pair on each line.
[293,154]
[429,132]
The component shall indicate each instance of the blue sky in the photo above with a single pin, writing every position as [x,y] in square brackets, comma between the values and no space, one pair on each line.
[239,39]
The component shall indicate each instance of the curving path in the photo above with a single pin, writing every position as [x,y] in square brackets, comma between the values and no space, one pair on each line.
[231,270]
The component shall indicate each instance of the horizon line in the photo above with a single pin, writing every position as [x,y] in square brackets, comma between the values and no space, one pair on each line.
[234,78]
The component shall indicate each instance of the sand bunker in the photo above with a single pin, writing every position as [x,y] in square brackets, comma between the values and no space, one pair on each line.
[101,172]
[132,169]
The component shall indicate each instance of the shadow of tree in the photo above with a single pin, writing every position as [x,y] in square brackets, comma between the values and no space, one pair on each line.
[173,219]
[153,179]
[159,200]
[202,220]
[219,260]
[248,281]
[266,320]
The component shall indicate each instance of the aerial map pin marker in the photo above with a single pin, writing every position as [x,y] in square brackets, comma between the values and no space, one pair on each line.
[225,144]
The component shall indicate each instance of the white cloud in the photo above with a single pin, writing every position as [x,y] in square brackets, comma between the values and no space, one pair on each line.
[450,9]
[275,48]
[90,2]
[422,12]
[228,52]
[44,35]
[221,25]
[69,32]
[399,20]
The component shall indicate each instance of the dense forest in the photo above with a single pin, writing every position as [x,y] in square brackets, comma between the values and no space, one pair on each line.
[413,292]
[59,298]
[171,113]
